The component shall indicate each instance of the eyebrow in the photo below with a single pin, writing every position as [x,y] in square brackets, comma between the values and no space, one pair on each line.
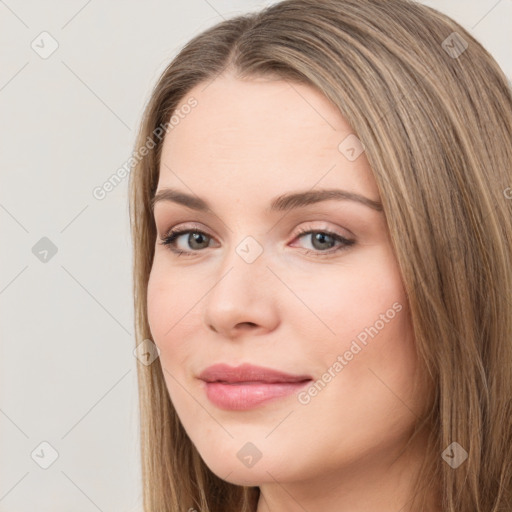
[283,202]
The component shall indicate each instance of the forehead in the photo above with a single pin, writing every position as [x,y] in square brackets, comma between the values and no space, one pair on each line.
[261,135]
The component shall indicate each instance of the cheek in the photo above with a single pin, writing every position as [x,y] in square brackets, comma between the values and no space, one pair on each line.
[159,303]
[362,315]
[353,302]
[367,395]
[169,309]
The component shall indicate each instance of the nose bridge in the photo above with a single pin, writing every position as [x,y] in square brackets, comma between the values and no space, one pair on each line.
[240,293]
[243,267]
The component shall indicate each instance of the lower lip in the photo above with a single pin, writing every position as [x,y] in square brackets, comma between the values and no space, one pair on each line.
[247,395]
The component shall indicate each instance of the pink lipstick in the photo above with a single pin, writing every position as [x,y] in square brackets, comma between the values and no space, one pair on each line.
[247,386]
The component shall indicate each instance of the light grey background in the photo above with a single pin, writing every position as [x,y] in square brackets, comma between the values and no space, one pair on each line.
[68,122]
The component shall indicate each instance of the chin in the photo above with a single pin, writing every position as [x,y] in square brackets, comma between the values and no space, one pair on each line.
[268,469]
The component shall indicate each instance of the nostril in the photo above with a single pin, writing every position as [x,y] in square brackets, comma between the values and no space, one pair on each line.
[249,324]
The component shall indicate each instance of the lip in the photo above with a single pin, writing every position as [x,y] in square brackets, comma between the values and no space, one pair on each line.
[248,373]
[247,386]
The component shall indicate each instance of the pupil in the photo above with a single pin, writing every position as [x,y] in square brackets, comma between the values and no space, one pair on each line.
[320,237]
[195,237]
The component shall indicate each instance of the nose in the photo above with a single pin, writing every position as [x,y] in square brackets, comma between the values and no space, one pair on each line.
[242,297]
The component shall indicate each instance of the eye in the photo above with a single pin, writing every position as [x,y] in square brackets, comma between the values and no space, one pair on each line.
[322,238]
[197,240]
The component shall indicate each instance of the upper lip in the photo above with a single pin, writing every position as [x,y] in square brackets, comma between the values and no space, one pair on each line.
[248,373]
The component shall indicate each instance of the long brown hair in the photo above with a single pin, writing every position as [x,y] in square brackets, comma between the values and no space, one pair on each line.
[434,112]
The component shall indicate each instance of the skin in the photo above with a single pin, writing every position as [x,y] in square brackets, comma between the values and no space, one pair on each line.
[246,142]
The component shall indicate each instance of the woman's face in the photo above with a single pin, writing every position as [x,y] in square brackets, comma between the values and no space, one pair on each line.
[252,288]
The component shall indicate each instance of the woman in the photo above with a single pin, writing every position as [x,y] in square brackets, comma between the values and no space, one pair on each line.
[322,224]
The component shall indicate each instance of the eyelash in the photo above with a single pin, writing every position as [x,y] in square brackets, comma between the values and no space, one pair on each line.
[170,238]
